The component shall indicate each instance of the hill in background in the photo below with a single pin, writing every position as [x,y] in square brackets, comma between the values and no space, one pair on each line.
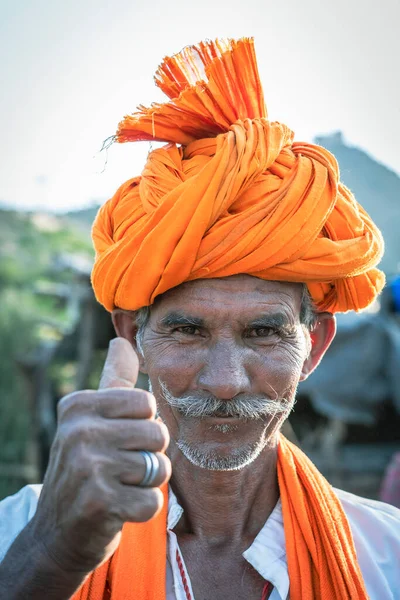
[82,218]
[31,243]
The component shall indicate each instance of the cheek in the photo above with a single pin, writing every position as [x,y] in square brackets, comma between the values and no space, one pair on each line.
[279,369]
[175,366]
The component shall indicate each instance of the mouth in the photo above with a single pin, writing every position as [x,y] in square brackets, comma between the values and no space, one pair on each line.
[222,418]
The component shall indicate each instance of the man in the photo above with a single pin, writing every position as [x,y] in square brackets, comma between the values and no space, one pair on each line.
[212,264]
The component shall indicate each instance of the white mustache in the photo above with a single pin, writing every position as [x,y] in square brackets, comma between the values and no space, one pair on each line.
[245,406]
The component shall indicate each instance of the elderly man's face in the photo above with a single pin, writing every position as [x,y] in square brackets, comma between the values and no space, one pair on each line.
[224,357]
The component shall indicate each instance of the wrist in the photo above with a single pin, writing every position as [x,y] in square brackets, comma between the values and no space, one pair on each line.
[30,571]
[55,557]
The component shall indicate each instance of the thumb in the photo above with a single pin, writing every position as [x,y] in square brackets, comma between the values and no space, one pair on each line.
[121,367]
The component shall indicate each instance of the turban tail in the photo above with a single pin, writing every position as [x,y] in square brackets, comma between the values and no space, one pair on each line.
[230,192]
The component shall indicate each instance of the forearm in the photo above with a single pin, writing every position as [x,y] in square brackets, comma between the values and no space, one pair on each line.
[27,571]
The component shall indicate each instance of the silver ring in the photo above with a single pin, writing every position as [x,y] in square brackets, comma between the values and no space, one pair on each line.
[152,468]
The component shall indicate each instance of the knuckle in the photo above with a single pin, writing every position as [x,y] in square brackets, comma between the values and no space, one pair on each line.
[70,405]
[151,403]
[79,432]
[159,436]
[65,405]
[165,435]
[150,504]
[165,468]
[83,471]
[104,403]
[95,506]
[123,402]
[98,496]
[68,446]
[79,435]
[61,438]
[147,402]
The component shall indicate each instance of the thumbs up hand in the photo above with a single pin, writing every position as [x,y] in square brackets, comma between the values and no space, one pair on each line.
[97,464]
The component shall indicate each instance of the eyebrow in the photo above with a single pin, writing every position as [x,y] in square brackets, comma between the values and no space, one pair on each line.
[178,319]
[276,321]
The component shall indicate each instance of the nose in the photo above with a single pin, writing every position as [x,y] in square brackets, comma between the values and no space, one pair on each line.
[225,374]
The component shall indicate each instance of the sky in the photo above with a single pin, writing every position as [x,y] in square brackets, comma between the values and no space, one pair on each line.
[69,72]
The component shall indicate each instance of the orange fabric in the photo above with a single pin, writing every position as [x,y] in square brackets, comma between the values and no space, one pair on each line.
[137,571]
[238,195]
[321,556]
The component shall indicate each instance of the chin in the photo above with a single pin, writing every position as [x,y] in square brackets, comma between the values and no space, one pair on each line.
[221,459]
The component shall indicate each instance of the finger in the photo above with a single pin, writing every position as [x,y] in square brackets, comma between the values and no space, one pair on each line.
[121,367]
[132,468]
[138,504]
[138,434]
[124,403]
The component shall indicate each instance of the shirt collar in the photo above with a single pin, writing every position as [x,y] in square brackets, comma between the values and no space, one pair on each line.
[175,511]
[267,554]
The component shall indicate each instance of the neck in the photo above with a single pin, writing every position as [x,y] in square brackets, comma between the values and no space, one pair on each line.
[225,506]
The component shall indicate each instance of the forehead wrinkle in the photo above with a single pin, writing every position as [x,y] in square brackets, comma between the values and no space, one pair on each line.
[229,297]
[234,284]
[223,299]
[246,303]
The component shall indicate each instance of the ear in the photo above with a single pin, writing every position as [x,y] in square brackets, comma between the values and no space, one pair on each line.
[321,338]
[125,326]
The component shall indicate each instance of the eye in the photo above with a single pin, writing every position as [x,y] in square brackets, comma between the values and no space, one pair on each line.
[188,330]
[262,332]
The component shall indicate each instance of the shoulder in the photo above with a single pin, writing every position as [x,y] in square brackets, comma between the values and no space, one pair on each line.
[15,513]
[376,532]
[358,503]
[378,516]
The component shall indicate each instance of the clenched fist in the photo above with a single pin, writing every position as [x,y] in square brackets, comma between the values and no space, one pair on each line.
[92,482]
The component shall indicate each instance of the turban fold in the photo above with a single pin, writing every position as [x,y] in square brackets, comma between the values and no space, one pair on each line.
[230,192]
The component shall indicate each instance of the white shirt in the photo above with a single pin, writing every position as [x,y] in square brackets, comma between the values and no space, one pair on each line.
[375,527]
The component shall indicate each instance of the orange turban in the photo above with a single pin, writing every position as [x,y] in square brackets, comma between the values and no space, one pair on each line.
[230,193]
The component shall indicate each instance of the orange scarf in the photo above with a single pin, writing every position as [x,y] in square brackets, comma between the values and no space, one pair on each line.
[321,557]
